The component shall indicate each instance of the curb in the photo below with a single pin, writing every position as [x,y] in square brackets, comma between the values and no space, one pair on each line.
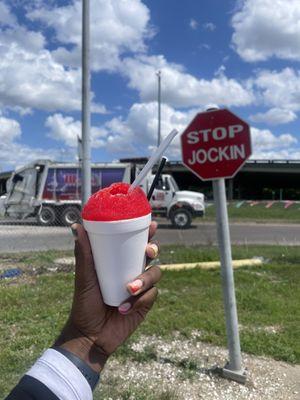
[249,262]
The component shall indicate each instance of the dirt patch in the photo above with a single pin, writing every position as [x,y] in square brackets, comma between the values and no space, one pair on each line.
[8,263]
[271,330]
[30,272]
[188,368]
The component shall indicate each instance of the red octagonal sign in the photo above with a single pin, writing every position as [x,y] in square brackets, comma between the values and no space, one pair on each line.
[216,144]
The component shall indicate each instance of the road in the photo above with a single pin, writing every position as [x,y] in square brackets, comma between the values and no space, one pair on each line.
[20,238]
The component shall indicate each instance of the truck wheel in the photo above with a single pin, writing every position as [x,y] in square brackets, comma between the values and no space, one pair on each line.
[181,218]
[70,215]
[47,216]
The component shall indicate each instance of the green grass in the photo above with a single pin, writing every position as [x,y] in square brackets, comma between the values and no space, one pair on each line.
[40,258]
[32,311]
[259,212]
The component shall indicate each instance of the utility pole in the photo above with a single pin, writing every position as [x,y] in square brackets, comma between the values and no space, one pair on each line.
[158,73]
[86,111]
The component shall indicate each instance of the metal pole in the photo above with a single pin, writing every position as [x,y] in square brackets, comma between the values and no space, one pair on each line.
[159,108]
[86,112]
[233,370]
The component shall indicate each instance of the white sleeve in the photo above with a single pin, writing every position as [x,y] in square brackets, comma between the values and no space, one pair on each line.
[61,376]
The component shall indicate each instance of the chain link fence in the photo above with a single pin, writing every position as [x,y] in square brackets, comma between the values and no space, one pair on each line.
[47,193]
[44,215]
[46,228]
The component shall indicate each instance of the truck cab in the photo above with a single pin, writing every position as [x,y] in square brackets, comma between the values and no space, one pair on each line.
[51,192]
[180,206]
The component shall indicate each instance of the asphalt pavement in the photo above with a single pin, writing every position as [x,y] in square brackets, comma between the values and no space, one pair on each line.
[22,237]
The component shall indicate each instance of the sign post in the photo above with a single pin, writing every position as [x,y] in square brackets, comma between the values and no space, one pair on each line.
[233,369]
[215,145]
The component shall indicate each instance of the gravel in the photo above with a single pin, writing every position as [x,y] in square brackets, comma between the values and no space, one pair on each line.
[185,369]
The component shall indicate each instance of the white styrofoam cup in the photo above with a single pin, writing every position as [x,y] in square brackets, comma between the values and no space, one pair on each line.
[118,249]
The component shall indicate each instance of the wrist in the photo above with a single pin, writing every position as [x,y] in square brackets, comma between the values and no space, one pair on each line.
[72,340]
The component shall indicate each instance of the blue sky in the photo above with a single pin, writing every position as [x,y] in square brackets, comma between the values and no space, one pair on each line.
[239,54]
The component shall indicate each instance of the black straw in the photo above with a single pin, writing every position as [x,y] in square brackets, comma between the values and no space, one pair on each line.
[156,178]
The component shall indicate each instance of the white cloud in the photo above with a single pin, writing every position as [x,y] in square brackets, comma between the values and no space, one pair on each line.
[120,138]
[266,145]
[64,129]
[264,139]
[139,129]
[35,80]
[179,88]
[38,75]
[143,118]
[16,154]
[12,152]
[116,27]
[21,37]
[266,28]
[67,129]
[209,26]
[284,154]
[193,24]
[6,17]
[204,46]
[280,89]
[274,116]
[45,75]
[29,75]
[137,132]
[9,130]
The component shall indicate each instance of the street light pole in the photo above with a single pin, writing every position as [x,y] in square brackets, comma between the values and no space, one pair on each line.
[159,108]
[86,112]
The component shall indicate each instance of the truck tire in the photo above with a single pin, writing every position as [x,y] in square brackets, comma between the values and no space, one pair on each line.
[70,215]
[47,216]
[181,218]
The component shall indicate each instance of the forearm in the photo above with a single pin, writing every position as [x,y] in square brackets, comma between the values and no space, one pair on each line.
[83,347]
[58,375]
[52,377]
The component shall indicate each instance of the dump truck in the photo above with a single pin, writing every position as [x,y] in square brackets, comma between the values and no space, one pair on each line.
[51,192]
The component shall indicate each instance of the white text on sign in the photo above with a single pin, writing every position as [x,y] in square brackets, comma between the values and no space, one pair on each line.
[216,154]
[219,133]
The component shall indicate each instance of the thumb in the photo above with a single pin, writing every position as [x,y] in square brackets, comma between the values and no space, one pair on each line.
[84,262]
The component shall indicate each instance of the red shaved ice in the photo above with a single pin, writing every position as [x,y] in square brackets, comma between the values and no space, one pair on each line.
[115,203]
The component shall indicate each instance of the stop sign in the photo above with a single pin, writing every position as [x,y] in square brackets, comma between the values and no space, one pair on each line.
[215,144]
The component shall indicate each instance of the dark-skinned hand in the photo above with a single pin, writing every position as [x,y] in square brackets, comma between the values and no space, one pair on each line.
[95,330]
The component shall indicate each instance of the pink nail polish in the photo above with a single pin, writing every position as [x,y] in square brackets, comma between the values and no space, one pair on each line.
[123,308]
[135,285]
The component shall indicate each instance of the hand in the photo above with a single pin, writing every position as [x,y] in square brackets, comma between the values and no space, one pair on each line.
[95,330]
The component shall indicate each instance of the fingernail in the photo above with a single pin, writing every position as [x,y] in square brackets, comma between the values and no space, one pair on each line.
[123,308]
[74,232]
[135,285]
[154,248]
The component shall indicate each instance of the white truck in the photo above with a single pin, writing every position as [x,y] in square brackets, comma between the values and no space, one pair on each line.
[51,192]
